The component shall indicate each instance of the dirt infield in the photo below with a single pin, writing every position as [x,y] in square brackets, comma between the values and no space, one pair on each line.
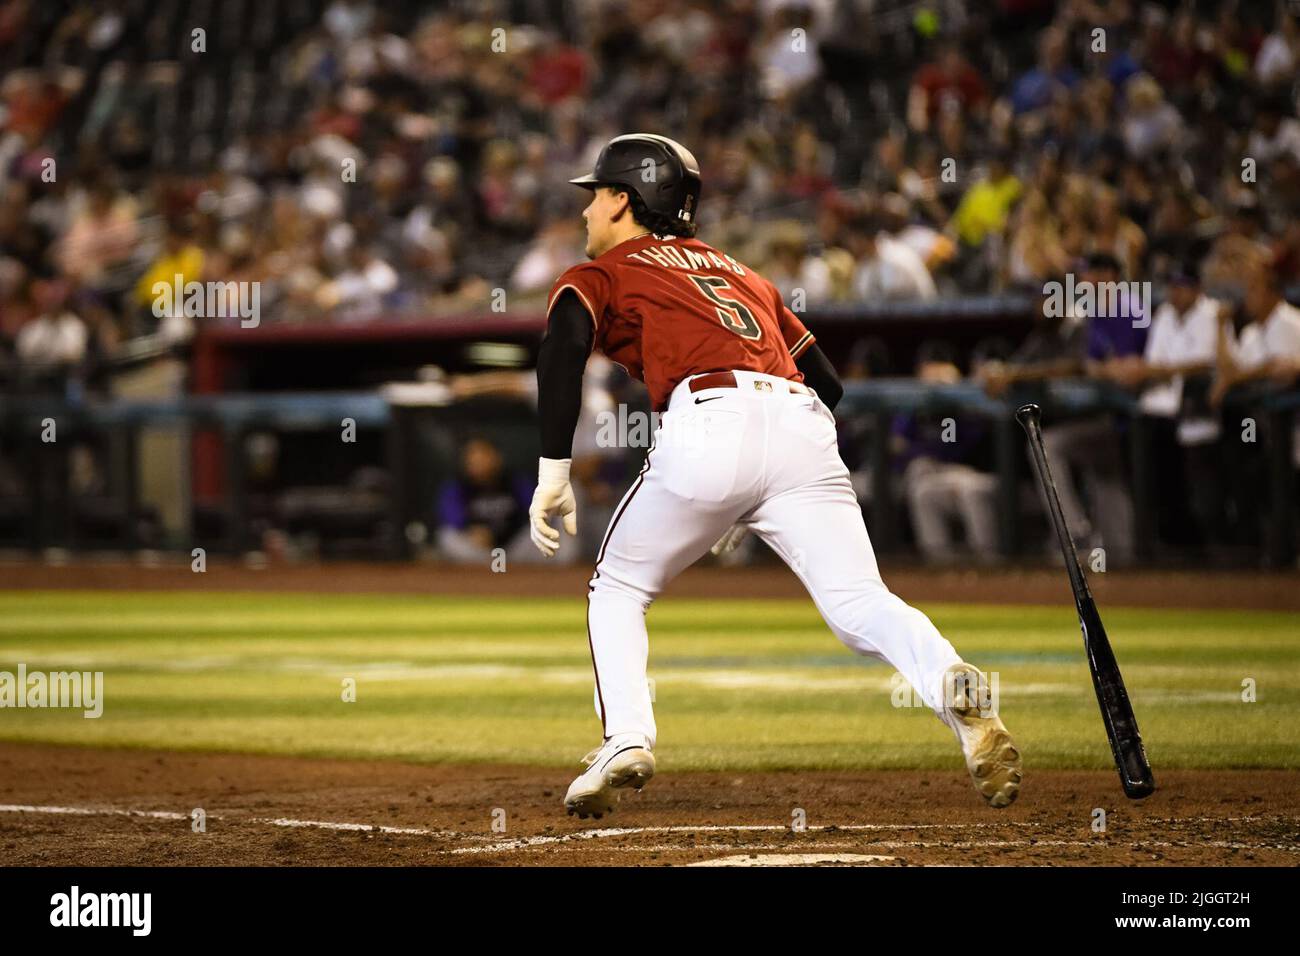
[1279,591]
[82,807]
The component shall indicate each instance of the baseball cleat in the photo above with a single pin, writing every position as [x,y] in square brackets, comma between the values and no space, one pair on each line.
[991,755]
[620,762]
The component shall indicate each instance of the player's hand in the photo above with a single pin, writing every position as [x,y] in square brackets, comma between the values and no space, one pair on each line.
[731,540]
[554,495]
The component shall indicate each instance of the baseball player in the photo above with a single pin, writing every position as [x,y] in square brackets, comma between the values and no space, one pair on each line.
[746,441]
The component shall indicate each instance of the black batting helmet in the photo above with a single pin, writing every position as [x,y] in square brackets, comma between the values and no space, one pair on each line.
[660,171]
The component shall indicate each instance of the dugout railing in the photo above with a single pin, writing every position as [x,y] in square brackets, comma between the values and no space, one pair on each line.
[43,514]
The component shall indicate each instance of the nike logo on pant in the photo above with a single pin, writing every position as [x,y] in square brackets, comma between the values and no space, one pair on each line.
[713,398]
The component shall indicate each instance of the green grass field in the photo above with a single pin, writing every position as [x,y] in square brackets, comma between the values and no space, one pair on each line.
[739,685]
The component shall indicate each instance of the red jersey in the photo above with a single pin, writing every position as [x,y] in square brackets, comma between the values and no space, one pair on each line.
[666,308]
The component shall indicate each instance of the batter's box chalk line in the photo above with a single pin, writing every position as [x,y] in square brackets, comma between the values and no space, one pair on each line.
[578,837]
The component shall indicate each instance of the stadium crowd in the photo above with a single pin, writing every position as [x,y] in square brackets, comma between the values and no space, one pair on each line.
[856,151]
[358,159]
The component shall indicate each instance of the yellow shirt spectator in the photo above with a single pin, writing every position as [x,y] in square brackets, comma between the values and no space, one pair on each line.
[184,260]
[985,209]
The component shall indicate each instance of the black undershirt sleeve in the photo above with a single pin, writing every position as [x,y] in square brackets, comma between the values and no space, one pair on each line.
[560,364]
[819,375]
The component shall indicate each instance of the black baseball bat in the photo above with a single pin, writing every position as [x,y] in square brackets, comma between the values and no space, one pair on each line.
[1116,710]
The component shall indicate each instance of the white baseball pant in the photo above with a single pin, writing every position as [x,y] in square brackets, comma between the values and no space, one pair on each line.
[764,456]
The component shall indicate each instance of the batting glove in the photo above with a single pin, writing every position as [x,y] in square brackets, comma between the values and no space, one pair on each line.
[731,540]
[554,495]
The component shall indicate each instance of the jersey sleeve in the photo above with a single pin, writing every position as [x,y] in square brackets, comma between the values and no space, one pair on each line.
[592,284]
[796,337]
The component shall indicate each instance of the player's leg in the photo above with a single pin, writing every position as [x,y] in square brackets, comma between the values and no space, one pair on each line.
[818,530]
[811,518]
[682,502]
[655,533]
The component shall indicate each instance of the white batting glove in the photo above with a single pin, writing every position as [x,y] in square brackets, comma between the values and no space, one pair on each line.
[731,540]
[554,495]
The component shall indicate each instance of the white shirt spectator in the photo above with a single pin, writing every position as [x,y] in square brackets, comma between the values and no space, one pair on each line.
[1285,139]
[785,68]
[1178,340]
[896,273]
[814,278]
[1147,133]
[1278,336]
[360,292]
[52,340]
[1275,62]
[925,241]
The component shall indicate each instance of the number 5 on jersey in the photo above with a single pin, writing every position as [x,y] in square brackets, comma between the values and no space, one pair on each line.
[734,314]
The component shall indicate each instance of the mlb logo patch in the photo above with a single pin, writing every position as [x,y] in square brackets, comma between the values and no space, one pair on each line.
[762,386]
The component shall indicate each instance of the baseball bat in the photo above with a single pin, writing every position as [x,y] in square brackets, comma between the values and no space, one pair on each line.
[1116,710]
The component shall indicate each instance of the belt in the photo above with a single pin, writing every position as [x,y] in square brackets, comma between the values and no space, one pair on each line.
[728,380]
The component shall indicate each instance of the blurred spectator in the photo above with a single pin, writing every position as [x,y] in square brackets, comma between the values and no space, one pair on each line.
[559,245]
[759,91]
[788,60]
[1276,132]
[54,341]
[1115,234]
[868,358]
[793,270]
[32,103]
[1037,251]
[1276,61]
[101,235]
[1240,250]
[1115,346]
[1054,348]
[1268,347]
[359,292]
[179,262]
[934,248]
[1264,354]
[948,83]
[1037,87]
[942,485]
[985,208]
[1107,345]
[887,270]
[1178,58]
[1184,434]
[1150,124]
[484,508]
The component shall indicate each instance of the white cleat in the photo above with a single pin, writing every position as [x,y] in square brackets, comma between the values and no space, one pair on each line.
[991,755]
[622,761]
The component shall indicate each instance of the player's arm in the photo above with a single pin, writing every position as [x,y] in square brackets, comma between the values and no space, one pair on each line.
[819,374]
[561,362]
